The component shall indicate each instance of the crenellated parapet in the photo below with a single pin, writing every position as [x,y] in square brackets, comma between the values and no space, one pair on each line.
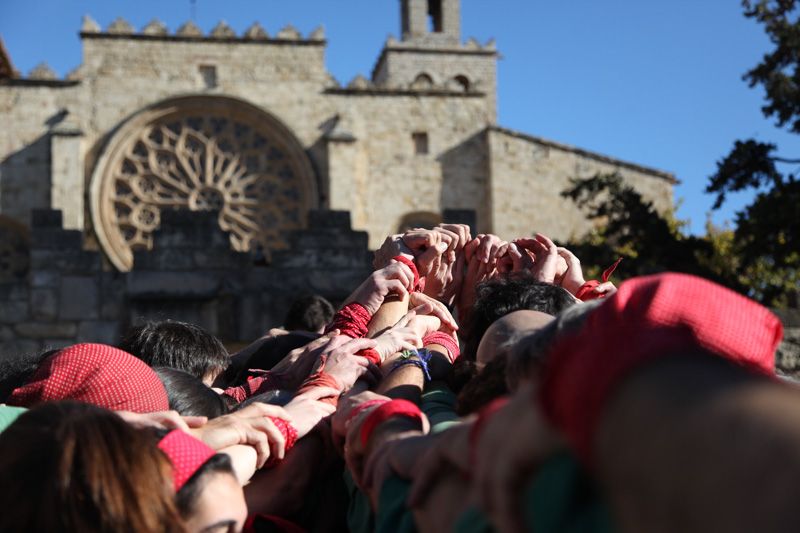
[155,29]
[423,85]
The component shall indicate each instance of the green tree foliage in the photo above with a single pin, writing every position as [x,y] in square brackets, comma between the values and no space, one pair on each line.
[631,228]
[767,233]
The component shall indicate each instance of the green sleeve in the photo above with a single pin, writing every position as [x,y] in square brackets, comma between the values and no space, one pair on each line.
[359,512]
[438,404]
[8,414]
[392,515]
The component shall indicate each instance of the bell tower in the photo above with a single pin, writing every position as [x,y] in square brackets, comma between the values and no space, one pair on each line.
[431,59]
[432,21]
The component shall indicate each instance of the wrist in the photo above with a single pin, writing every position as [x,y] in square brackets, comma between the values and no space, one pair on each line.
[388,411]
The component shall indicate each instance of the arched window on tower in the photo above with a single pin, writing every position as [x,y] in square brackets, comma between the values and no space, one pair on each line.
[422,82]
[419,219]
[461,83]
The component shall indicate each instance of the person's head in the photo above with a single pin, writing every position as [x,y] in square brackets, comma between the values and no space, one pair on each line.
[74,467]
[15,371]
[188,395]
[514,292]
[209,497]
[528,351]
[489,381]
[178,345]
[496,340]
[97,374]
[308,313]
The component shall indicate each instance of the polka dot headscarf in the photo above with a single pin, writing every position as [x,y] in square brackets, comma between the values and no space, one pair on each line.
[186,453]
[97,374]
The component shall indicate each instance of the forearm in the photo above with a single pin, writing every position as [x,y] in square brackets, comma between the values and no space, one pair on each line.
[405,382]
[244,459]
[393,309]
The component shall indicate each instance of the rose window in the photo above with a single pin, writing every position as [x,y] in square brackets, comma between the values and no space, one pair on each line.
[241,163]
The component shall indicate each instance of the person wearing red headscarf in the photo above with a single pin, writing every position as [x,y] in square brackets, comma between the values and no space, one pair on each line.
[97,374]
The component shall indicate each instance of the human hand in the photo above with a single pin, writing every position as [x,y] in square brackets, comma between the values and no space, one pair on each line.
[486,248]
[392,246]
[573,279]
[459,235]
[516,259]
[398,338]
[341,419]
[395,278]
[162,420]
[306,410]
[606,288]
[548,265]
[298,363]
[423,304]
[338,358]
[426,246]
[479,266]
[251,426]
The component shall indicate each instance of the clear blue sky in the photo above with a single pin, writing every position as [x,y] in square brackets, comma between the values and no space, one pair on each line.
[654,82]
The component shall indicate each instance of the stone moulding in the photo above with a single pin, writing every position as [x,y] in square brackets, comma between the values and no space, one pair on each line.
[373,90]
[201,153]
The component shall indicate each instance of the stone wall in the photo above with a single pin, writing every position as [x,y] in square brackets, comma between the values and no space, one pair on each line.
[528,175]
[70,295]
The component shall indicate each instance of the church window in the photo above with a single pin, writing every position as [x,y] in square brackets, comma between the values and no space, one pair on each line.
[422,82]
[420,139]
[209,75]
[462,83]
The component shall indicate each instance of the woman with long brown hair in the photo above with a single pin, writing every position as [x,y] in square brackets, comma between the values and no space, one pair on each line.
[69,466]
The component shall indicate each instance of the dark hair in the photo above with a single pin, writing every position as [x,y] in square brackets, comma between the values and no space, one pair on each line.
[308,313]
[488,383]
[188,395]
[69,466]
[178,345]
[508,293]
[186,498]
[15,371]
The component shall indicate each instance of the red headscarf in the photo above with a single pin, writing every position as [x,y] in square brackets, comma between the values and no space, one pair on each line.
[186,453]
[649,318]
[97,374]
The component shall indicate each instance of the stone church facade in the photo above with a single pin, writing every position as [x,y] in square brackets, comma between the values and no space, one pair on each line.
[251,138]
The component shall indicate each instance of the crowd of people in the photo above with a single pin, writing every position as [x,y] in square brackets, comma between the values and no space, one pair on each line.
[468,384]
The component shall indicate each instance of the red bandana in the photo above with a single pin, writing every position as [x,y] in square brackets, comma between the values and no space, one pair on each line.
[649,318]
[186,453]
[351,320]
[97,374]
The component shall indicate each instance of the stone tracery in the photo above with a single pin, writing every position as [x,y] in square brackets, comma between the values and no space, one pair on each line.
[202,157]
